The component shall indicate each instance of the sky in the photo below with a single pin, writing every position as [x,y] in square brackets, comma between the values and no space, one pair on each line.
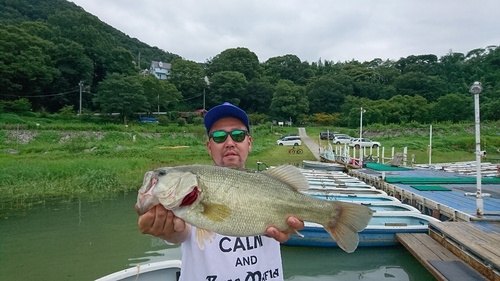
[332,30]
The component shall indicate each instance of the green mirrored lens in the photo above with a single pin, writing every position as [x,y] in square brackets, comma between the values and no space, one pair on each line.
[238,135]
[219,136]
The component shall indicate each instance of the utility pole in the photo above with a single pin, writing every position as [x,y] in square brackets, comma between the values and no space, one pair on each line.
[81,86]
[361,124]
[208,84]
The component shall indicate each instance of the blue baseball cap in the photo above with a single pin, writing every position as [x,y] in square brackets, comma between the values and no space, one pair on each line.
[222,111]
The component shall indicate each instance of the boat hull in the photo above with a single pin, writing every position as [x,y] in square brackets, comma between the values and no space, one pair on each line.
[370,237]
[381,231]
[323,165]
[164,270]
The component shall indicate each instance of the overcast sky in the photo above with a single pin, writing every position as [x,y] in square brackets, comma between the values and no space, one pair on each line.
[334,30]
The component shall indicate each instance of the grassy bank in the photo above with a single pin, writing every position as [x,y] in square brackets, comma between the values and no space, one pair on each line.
[101,161]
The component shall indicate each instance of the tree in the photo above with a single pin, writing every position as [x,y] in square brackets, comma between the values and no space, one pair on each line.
[227,86]
[287,67]
[454,108]
[25,64]
[326,95]
[289,101]
[189,78]
[417,83]
[405,109]
[426,64]
[160,94]
[241,60]
[121,94]
[327,119]
[258,97]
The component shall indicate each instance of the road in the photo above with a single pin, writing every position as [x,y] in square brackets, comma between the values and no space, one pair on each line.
[310,143]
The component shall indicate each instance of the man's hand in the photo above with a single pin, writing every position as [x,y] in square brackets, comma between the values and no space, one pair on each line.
[282,237]
[163,224]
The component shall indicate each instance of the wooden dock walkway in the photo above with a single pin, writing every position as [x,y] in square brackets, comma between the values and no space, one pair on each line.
[457,251]
[476,243]
[468,240]
[439,261]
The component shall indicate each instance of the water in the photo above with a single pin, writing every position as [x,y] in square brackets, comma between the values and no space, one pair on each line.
[80,240]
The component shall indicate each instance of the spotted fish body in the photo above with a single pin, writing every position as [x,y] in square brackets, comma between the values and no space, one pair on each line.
[241,203]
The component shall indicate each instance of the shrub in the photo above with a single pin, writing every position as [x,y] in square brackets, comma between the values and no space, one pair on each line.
[67,112]
[181,122]
[163,120]
[17,106]
[197,120]
[11,118]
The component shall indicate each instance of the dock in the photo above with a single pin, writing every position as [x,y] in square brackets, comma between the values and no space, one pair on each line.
[439,261]
[460,247]
[463,245]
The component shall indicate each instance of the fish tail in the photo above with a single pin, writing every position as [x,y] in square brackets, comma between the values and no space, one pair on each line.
[348,219]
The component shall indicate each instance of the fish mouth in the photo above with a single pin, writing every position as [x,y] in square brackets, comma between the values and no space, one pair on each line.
[145,199]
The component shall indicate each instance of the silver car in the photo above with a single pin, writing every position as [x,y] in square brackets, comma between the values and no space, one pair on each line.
[357,143]
[289,140]
[341,139]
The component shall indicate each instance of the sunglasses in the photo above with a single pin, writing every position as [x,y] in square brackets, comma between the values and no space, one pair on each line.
[221,136]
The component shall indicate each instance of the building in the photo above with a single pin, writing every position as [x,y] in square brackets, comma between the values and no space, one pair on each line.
[160,70]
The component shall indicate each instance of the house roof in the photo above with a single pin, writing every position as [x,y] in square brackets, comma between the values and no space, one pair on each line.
[159,64]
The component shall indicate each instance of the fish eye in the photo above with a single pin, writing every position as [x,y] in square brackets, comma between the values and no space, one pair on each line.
[162,172]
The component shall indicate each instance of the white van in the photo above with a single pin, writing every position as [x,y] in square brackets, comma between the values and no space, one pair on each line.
[289,140]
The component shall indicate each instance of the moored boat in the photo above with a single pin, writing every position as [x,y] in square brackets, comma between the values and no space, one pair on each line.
[361,199]
[164,270]
[344,191]
[381,231]
[322,165]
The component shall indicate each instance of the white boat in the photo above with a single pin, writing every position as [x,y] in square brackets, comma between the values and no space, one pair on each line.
[344,191]
[381,230]
[328,155]
[164,270]
[381,209]
[323,165]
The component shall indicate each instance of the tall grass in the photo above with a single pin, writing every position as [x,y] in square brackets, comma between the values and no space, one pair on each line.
[96,161]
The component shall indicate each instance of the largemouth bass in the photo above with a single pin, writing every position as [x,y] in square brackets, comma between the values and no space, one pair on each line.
[237,202]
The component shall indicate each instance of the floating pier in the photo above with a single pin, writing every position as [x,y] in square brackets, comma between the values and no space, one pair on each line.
[460,247]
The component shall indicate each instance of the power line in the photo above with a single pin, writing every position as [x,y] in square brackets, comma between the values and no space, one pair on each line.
[41,96]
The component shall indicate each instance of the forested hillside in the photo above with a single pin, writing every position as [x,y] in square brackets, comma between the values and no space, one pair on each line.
[48,47]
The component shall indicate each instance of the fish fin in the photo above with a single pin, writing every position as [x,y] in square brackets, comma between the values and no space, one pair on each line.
[292,230]
[203,235]
[298,233]
[350,219]
[290,175]
[215,212]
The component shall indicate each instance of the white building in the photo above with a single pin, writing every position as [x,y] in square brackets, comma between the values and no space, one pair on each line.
[160,70]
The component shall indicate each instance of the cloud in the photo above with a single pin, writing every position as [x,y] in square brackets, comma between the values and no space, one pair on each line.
[331,30]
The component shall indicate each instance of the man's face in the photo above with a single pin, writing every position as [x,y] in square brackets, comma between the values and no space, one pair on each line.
[229,153]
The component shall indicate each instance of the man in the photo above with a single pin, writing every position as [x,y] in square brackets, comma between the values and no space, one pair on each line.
[226,258]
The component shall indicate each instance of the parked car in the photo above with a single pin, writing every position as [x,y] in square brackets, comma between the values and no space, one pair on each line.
[326,135]
[363,142]
[289,140]
[341,139]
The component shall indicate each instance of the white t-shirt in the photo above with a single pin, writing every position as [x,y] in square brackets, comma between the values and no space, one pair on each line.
[254,258]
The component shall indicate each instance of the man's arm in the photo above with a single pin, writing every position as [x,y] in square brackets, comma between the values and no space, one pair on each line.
[163,224]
